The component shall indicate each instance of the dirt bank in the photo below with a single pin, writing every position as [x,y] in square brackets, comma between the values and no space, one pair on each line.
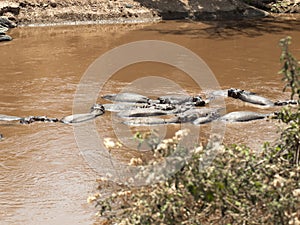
[60,11]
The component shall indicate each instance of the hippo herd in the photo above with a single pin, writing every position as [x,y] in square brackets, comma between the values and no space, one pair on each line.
[5,25]
[139,110]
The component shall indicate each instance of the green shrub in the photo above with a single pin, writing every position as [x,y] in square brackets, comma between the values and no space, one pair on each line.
[290,135]
[240,187]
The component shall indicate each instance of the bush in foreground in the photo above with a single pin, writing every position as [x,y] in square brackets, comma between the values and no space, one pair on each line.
[240,187]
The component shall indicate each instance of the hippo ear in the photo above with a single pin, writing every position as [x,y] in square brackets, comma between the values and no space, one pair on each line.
[197,98]
[97,107]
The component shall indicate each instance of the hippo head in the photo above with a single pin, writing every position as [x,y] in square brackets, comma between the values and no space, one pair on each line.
[97,109]
[233,92]
[164,101]
[27,120]
[198,101]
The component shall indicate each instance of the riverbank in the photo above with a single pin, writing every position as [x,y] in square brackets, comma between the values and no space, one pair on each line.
[30,12]
[45,12]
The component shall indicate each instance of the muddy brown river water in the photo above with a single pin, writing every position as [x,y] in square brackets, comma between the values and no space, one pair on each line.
[43,177]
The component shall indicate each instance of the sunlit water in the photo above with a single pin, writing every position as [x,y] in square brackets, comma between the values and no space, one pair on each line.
[43,177]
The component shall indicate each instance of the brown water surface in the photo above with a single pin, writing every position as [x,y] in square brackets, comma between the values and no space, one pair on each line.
[43,177]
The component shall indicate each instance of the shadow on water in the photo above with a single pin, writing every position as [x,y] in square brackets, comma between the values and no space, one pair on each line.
[164,8]
[215,23]
[204,10]
[230,29]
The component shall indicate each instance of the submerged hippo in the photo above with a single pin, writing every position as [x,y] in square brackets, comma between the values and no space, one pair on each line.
[207,119]
[9,118]
[206,115]
[143,112]
[127,97]
[118,107]
[192,114]
[181,99]
[3,29]
[287,102]
[243,116]
[129,106]
[31,119]
[249,97]
[96,110]
[171,108]
[5,23]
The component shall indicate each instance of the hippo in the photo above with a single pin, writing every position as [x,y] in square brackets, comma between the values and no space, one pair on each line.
[5,22]
[167,108]
[1,137]
[234,91]
[9,118]
[96,110]
[249,97]
[181,99]
[118,107]
[164,107]
[224,93]
[171,108]
[155,110]
[142,113]
[187,116]
[192,114]
[206,119]
[126,97]
[286,102]
[4,37]
[3,29]
[242,116]
[31,119]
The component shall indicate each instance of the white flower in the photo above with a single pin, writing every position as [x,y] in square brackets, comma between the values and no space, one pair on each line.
[278,181]
[198,149]
[295,220]
[296,193]
[162,146]
[124,193]
[109,143]
[102,179]
[91,199]
[130,180]
[181,133]
[292,174]
[135,162]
